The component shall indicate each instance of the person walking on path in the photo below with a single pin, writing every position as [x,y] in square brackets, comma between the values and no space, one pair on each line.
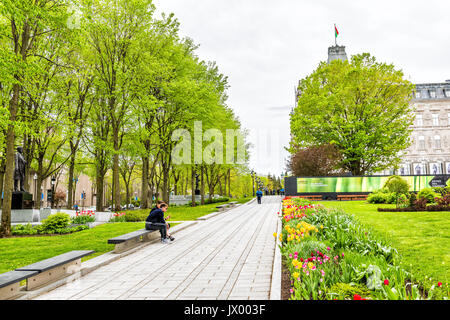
[156,221]
[259,195]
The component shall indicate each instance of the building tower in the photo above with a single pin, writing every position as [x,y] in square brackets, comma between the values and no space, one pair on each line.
[337,53]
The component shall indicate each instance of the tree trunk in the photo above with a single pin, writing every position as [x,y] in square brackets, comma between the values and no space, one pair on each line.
[229,183]
[165,185]
[70,182]
[202,185]
[99,181]
[220,186]
[5,228]
[116,177]
[193,185]
[144,183]
[2,176]
[187,182]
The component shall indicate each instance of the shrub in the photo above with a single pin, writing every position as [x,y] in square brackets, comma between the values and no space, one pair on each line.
[377,197]
[427,193]
[444,200]
[209,201]
[398,186]
[54,222]
[412,199]
[21,229]
[136,216]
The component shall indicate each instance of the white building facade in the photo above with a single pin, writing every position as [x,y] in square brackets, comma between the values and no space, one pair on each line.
[429,152]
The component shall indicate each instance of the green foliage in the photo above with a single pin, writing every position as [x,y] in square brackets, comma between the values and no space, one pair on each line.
[377,197]
[213,200]
[134,216]
[55,223]
[343,291]
[397,184]
[361,106]
[428,194]
[22,229]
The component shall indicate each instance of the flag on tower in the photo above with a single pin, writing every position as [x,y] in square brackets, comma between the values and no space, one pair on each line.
[336,33]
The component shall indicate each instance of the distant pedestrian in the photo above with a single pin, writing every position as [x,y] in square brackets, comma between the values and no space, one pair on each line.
[259,195]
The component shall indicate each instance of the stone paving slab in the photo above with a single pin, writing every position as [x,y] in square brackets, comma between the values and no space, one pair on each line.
[226,257]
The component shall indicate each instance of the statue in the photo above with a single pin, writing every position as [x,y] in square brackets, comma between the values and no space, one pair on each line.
[197,191]
[19,170]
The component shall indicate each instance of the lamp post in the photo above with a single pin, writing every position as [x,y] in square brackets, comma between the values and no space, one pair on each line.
[253,181]
[75,180]
[83,196]
[52,200]
[35,190]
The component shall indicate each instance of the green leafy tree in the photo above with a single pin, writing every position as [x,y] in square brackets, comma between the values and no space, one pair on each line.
[361,106]
[398,186]
[24,26]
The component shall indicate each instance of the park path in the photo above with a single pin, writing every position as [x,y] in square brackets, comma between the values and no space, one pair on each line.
[229,256]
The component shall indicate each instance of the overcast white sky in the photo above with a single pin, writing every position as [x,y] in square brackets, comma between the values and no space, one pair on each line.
[265,47]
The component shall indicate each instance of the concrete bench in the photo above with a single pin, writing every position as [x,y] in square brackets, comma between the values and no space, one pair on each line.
[233,204]
[352,197]
[313,198]
[54,268]
[130,240]
[222,207]
[10,282]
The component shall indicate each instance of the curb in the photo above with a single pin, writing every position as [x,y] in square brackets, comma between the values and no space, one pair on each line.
[275,288]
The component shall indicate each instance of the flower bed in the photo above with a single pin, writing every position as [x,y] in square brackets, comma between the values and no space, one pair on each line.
[83,217]
[330,256]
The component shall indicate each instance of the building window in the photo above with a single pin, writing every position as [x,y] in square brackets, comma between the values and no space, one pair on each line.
[418,94]
[421,143]
[420,120]
[449,119]
[435,119]
[447,93]
[437,141]
[432,93]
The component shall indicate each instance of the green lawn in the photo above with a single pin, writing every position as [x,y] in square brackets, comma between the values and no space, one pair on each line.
[17,252]
[422,238]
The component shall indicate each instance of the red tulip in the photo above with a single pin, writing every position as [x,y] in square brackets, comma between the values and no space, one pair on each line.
[439,284]
[386,282]
[357,297]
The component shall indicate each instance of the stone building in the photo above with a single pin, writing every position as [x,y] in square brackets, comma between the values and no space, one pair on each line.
[429,152]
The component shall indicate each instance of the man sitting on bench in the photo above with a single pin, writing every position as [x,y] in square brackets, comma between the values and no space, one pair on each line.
[156,221]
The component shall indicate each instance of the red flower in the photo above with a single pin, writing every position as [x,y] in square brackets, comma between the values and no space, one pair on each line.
[357,297]
[439,284]
[386,282]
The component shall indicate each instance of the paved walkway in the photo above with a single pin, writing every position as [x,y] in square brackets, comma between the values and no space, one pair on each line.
[229,256]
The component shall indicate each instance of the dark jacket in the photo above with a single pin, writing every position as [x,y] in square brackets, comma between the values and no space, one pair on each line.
[156,216]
